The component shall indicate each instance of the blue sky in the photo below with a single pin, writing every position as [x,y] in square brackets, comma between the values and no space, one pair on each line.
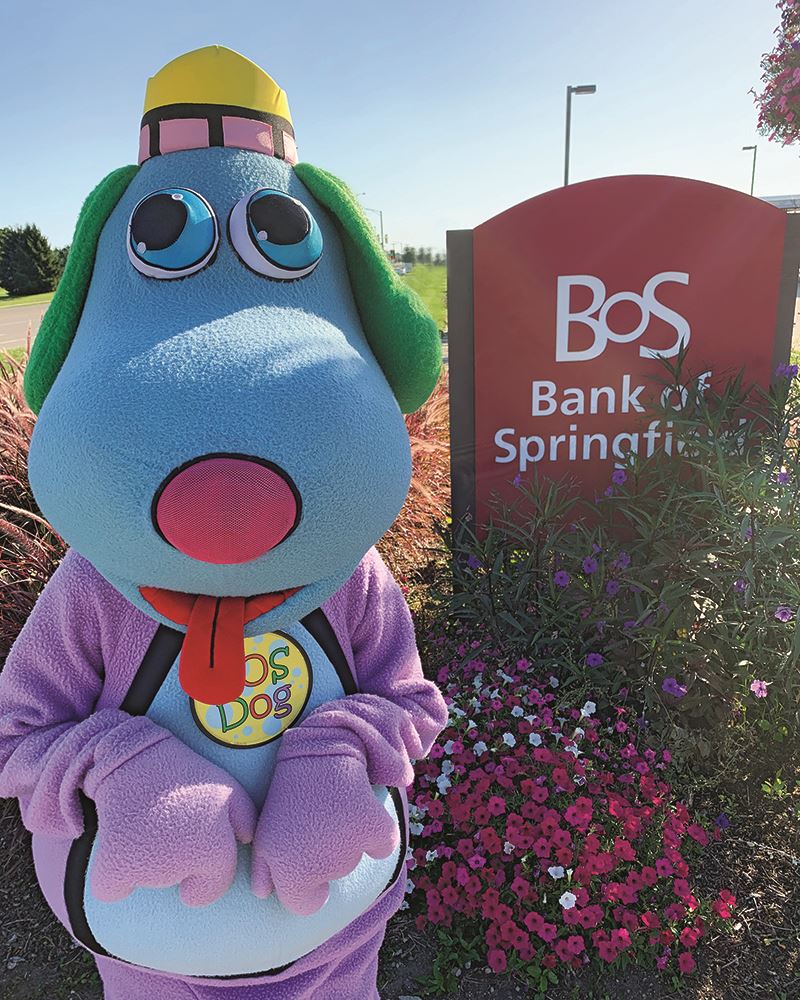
[444,113]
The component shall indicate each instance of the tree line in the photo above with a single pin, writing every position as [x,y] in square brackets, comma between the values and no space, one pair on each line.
[422,255]
[29,265]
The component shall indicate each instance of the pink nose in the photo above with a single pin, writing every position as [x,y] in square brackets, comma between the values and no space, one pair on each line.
[226,508]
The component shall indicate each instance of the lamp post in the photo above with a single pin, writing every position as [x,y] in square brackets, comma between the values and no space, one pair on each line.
[753,174]
[377,211]
[588,88]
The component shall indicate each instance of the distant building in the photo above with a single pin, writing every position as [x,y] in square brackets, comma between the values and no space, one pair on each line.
[788,202]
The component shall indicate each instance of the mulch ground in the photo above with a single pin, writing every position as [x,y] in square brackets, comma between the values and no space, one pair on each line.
[756,958]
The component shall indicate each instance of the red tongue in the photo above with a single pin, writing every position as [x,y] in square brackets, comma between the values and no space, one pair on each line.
[212,666]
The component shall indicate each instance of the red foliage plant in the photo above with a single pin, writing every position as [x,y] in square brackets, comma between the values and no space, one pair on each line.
[411,543]
[29,549]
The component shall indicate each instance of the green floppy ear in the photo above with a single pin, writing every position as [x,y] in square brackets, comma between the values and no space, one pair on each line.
[61,320]
[401,332]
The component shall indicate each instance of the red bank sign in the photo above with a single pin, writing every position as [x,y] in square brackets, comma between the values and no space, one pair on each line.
[563,309]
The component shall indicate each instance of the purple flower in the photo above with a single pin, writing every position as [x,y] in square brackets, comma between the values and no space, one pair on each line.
[517,480]
[759,689]
[784,614]
[622,561]
[722,821]
[594,660]
[590,565]
[619,476]
[670,686]
[783,477]
[612,587]
[609,491]
[629,624]
[561,578]
[739,585]
[473,561]
[786,370]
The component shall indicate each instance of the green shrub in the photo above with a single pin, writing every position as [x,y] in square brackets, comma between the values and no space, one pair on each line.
[681,583]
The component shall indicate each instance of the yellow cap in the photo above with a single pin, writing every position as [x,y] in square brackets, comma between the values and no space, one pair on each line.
[216,75]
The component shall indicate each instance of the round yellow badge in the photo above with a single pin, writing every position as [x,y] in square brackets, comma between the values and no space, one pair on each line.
[277,688]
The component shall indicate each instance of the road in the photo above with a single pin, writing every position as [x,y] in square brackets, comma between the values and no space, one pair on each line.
[14,322]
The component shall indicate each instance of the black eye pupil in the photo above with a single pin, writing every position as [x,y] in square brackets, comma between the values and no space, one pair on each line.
[283,220]
[158,222]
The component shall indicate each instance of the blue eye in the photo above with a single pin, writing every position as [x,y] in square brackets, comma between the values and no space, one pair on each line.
[172,233]
[275,235]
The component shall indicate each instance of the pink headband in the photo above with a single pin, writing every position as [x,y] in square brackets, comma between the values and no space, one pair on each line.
[200,126]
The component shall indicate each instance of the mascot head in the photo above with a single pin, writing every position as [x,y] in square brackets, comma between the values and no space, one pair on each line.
[222,374]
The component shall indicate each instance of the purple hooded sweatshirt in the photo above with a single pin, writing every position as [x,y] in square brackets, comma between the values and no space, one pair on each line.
[260,842]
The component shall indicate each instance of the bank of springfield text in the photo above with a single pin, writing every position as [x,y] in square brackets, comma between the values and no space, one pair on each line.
[576,445]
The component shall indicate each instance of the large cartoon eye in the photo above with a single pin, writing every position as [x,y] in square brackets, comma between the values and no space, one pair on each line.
[172,233]
[275,235]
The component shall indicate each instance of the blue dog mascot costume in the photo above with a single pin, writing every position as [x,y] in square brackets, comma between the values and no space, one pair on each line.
[210,716]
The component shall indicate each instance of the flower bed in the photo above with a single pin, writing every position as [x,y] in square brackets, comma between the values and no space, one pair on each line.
[548,838]
[678,582]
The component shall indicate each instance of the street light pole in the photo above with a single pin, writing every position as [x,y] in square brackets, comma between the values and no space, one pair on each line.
[753,174]
[589,88]
[378,211]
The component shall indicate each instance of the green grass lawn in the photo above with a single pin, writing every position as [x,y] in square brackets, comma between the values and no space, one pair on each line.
[6,300]
[429,281]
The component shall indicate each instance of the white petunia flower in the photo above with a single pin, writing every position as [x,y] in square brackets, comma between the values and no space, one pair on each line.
[434,854]
[568,900]
[415,829]
[535,740]
[508,847]
[409,886]
[443,783]
[509,739]
[557,871]
[448,767]
[588,709]
[448,747]
[480,747]
[553,682]
[517,712]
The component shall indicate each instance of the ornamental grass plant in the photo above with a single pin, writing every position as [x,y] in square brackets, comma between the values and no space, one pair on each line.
[29,549]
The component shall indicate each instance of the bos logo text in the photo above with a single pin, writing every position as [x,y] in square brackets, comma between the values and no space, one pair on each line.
[597,317]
